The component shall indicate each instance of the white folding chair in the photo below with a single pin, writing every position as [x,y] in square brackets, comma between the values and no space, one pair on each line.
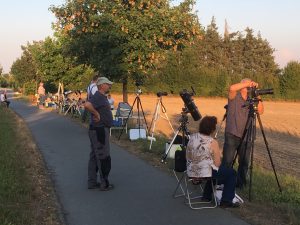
[194,192]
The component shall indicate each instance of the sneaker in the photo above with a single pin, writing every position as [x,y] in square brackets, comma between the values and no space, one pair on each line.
[106,187]
[94,186]
[224,204]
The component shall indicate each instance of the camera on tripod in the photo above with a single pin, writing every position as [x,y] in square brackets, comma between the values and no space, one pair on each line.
[138,90]
[254,92]
[161,93]
[189,104]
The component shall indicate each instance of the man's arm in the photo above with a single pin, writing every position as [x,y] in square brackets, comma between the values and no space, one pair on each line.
[233,89]
[88,106]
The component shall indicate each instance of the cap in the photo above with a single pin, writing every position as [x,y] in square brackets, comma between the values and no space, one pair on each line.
[103,80]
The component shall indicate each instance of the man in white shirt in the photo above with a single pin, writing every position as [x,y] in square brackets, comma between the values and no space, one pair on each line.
[91,90]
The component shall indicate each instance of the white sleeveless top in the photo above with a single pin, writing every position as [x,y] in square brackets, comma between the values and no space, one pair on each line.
[199,156]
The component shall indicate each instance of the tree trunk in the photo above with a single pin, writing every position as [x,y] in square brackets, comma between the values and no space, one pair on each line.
[125,92]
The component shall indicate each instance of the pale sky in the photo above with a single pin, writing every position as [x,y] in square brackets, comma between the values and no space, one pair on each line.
[277,20]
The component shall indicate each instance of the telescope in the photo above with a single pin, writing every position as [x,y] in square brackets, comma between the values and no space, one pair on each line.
[190,105]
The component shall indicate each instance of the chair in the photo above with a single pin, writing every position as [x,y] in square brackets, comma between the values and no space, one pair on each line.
[118,122]
[191,188]
[193,199]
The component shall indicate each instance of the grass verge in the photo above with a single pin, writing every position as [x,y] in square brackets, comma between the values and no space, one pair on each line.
[26,192]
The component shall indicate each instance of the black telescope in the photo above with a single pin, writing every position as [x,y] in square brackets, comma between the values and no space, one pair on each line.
[190,105]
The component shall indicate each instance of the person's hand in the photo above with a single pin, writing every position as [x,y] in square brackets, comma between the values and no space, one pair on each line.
[253,84]
[96,117]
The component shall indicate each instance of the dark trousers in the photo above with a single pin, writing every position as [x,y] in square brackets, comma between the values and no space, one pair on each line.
[230,149]
[100,159]
[226,176]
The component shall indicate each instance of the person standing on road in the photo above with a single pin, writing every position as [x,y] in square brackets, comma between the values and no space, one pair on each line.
[101,122]
[41,94]
[237,115]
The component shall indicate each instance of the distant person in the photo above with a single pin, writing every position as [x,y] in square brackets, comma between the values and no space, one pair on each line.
[99,129]
[203,157]
[236,118]
[3,98]
[90,91]
[41,94]
[111,102]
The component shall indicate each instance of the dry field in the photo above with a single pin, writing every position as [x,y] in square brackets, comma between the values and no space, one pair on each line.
[281,123]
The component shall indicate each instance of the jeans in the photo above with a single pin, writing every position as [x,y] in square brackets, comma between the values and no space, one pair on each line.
[226,176]
[231,145]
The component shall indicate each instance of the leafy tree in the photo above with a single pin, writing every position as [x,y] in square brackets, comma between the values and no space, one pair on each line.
[290,81]
[125,39]
[54,67]
[24,70]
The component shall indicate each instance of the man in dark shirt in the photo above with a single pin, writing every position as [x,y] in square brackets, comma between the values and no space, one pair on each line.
[237,115]
[101,122]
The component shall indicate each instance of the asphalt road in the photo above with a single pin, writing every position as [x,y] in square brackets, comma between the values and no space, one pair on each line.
[142,194]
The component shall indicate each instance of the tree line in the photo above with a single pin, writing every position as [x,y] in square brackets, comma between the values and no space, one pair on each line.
[151,42]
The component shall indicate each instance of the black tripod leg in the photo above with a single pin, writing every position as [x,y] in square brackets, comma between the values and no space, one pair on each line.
[268,150]
[252,138]
[144,116]
[127,119]
[245,135]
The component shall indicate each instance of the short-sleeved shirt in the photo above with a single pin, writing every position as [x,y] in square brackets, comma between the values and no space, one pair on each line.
[237,115]
[101,104]
[91,90]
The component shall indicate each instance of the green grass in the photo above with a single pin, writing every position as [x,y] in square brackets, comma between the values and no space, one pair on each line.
[265,191]
[15,188]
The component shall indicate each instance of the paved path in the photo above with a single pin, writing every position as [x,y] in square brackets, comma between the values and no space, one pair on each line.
[142,194]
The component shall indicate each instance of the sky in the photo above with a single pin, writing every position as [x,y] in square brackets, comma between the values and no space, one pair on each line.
[278,21]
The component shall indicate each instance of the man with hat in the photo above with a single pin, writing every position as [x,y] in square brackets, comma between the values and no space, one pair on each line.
[101,122]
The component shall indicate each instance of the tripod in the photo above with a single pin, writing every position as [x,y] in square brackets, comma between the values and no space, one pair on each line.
[183,128]
[249,137]
[138,103]
[159,107]
[224,117]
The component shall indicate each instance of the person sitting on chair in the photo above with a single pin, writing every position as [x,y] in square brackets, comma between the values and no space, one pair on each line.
[203,157]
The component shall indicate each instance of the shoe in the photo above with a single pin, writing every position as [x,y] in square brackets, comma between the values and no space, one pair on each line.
[94,186]
[224,204]
[106,187]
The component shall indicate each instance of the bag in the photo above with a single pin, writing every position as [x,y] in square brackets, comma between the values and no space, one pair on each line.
[123,109]
[180,161]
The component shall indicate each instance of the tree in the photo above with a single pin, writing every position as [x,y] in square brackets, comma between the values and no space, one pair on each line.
[290,81]
[24,71]
[126,39]
[53,67]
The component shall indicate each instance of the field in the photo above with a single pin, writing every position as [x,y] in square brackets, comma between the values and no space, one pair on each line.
[281,123]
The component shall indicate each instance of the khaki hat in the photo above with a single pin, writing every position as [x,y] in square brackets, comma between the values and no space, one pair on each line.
[103,80]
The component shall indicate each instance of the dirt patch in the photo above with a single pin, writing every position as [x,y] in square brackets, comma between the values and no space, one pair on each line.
[281,123]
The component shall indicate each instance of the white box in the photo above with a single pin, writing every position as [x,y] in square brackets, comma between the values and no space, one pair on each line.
[173,149]
[135,134]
